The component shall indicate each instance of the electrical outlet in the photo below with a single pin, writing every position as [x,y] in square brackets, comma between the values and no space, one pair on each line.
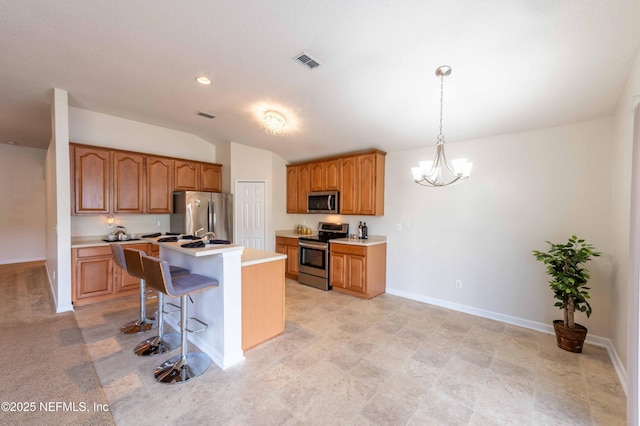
[158,224]
[398,226]
[459,284]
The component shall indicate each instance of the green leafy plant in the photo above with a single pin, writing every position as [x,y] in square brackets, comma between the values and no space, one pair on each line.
[568,278]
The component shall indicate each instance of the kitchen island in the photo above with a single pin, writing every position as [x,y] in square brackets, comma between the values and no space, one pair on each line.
[223,307]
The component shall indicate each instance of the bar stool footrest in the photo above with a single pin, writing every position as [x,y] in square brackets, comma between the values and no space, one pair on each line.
[197,330]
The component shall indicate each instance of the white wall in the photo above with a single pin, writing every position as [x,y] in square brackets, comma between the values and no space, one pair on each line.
[93,128]
[58,196]
[22,211]
[525,188]
[625,286]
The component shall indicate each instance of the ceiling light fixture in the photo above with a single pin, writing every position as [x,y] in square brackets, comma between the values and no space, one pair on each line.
[274,122]
[431,173]
[203,80]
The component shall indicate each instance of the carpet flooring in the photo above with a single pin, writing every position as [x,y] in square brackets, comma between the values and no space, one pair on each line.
[47,375]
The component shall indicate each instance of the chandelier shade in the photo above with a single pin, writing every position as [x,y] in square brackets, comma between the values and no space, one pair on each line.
[439,172]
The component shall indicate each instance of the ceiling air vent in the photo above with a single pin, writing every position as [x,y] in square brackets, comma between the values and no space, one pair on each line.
[207,115]
[306,59]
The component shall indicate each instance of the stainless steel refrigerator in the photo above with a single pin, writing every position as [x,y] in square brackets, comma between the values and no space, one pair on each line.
[209,211]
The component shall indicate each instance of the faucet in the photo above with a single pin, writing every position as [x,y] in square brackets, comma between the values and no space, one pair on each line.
[195,234]
[208,236]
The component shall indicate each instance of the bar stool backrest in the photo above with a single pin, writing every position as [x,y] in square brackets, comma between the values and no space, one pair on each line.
[133,259]
[118,255]
[158,276]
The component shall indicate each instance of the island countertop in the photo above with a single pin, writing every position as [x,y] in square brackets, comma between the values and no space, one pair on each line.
[251,256]
[207,250]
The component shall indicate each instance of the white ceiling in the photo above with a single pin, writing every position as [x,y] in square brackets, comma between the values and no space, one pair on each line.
[517,65]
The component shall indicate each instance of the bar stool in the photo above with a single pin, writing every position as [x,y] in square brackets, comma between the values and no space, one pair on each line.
[143,323]
[162,342]
[185,366]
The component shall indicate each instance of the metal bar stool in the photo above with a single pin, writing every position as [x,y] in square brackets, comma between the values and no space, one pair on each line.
[143,323]
[162,342]
[185,366]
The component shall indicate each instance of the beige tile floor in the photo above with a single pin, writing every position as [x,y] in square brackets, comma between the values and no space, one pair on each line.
[348,361]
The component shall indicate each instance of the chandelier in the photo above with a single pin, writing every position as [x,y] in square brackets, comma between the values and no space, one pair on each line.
[274,122]
[434,173]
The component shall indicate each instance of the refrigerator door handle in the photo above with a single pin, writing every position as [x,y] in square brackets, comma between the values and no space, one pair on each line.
[212,216]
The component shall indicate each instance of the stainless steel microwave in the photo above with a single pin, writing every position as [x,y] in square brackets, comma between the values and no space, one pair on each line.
[323,202]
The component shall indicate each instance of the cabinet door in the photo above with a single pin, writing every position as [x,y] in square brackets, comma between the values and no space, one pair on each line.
[92,169]
[292,261]
[337,270]
[303,187]
[187,175]
[317,177]
[159,185]
[349,186]
[292,189]
[331,175]
[356,273]
[211,177]
[366,175]
[128,182]
[94,277]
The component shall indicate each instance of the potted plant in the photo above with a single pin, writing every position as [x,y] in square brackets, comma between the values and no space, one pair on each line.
[569,285]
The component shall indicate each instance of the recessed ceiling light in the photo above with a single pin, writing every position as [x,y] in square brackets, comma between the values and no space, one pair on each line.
[12,143]
[203,80]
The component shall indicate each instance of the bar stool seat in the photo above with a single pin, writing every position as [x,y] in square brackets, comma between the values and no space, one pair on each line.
[185,366]
[162,342]
[143,323]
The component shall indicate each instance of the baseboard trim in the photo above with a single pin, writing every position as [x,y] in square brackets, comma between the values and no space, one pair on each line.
[27,260]
[521,322]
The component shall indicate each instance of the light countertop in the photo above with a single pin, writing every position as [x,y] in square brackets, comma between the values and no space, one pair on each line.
[371,241]
[208,250]
[293,234]
[252,256]
[96,241]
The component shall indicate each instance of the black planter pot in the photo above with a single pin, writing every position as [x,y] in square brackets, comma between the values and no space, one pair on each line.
[570,339]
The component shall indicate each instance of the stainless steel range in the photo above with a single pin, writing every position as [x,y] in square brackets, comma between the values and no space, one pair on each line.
[313,257]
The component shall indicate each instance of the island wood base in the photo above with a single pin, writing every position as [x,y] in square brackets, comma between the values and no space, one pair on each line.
[262,302]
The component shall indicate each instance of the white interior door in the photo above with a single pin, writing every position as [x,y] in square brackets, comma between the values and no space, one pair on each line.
[250,213]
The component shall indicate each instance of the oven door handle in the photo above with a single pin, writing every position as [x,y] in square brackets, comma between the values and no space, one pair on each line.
[313,246]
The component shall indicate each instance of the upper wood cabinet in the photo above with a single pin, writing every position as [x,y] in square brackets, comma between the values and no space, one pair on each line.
[292,189]
[331,175]
[187,175]
[370,182]
[358,177]
[159,185]
[91,180]
[211,177]
[303,187]
[195,176]
[348,189]
[325,175]
[128,182]
[114,181]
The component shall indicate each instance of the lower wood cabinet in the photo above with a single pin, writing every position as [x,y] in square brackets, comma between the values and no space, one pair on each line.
[289,246]
[96,277]
[358,270]
[262,302]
